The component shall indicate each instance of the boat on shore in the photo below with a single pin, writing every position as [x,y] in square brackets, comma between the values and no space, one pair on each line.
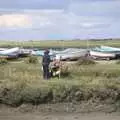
[100,54]
[108,48]
[9,53]
[72,54]
[105,52]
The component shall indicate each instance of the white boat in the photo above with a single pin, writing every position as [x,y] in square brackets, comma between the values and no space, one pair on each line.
[99,54]
[72,55]
[110,48]
[10,51]
[2,49]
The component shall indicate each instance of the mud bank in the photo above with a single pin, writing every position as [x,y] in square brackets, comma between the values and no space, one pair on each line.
[28,112]
[91,116]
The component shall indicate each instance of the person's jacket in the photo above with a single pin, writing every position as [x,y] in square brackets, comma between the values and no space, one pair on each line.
[46,60]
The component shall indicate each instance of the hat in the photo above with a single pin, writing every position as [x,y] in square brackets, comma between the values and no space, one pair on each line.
[46,51]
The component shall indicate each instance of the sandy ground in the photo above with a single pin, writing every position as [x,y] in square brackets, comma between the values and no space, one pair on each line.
[30,113]
[59,116]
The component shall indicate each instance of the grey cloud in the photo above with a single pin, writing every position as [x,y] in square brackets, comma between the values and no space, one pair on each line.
[34,4]
[98,8]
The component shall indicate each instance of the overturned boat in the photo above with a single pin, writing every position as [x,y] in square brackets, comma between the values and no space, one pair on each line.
[2,49]
[102,55]
[105,52]
[72,54]
[9,53]
[108,48]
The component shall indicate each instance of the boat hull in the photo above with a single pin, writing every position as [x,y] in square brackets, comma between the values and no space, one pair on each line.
[99,54]
[72,55]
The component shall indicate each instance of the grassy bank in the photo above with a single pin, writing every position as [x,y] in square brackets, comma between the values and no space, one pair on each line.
[21,82]
[61,43]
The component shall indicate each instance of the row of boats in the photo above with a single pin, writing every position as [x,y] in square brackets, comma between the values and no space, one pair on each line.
[13,53]
[101,52]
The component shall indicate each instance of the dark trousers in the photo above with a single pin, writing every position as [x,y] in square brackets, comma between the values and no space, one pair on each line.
[46,74]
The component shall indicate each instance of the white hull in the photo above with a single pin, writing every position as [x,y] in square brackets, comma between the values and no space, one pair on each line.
[10,51]
[2,49]
[72,55]
[110,48]
[102,54]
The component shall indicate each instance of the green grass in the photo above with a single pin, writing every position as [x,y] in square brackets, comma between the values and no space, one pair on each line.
[61,43]
[21,82]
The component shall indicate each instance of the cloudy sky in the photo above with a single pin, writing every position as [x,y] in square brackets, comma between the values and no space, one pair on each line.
[59,19]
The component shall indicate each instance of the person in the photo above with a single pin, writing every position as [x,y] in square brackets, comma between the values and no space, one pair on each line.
[45,63]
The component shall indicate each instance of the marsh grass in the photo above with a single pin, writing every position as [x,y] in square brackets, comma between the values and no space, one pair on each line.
[85,61]
[118,62]
[61,43]
[23,83]
[3,61]
[32,60]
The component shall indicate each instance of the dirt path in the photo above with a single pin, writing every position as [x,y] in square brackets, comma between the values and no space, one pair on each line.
[8,113]
[58,116]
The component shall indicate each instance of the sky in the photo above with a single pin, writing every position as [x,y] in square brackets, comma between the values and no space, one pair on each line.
[59,19]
